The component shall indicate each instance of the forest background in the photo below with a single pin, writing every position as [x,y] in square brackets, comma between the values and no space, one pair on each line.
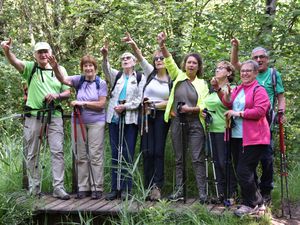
[78,27]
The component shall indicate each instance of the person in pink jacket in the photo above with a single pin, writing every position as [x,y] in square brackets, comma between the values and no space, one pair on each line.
[248,104]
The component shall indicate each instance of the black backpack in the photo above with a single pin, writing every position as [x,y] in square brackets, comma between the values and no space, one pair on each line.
[118,76]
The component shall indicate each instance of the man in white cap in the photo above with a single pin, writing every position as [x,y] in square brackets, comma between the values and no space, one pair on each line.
[43,89]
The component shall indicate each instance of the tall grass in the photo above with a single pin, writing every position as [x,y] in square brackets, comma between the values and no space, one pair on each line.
[13,212]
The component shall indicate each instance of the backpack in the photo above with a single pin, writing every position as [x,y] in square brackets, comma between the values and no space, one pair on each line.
[118,76]
[82,80]
[152,76]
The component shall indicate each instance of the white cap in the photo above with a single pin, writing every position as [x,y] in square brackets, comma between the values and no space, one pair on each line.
[41,46]
[128,54]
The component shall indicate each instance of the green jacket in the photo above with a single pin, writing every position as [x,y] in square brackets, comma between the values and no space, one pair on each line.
[177,74]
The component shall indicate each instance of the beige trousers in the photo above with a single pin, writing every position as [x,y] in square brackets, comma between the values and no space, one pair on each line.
[90,166]
[32,140]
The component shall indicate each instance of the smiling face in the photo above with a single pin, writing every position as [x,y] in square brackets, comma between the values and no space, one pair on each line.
[261,57]
[41,57]
[89,70]
[248,73]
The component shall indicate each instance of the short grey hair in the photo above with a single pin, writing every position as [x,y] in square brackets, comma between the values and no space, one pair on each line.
[260,49]
[252,62]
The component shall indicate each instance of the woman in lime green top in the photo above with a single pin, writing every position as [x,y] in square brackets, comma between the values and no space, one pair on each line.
[184,107]
[224,74]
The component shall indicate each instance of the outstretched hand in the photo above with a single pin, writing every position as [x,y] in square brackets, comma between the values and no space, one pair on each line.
[104,49]
[6,45]
[127,39]
[52,61]
[214,83]
[161,38]
[235,42]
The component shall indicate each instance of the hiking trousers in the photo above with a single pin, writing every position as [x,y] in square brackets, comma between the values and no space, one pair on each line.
[36,159]
[90,169]
[195,140]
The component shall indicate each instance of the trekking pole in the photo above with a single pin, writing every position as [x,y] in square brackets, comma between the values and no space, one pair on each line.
[283,165]
[227,201]
[120,147]
[183,143]
[146,105]
[43,136]
[85,141]
[74,150]
[208,121]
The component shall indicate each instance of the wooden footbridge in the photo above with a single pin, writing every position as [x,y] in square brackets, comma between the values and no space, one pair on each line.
[49,210]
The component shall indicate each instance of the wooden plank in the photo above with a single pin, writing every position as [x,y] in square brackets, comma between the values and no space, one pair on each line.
[105,206]
[69,205]
[86,206]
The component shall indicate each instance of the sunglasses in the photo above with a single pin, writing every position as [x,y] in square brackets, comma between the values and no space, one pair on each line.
[161,58]
[259,56]
[126,58]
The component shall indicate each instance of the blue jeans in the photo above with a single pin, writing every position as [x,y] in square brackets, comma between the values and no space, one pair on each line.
[153,149]
[130,136]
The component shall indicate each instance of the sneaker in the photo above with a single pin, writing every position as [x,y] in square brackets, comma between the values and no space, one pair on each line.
[96,195]
[246,210]
[61,194]
[155,194]
[112,195]
[177,195]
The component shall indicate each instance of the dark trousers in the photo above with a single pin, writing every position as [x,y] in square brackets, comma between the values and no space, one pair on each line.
[153,148]
[130,136]
[221,161]
[247,163]
[266,179]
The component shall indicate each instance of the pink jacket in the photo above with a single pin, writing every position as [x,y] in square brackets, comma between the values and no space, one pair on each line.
[256,129]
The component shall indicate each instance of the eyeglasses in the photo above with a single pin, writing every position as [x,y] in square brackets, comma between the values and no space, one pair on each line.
[126,58]
[259,56]
[246,71]
[221,68]
[161,58]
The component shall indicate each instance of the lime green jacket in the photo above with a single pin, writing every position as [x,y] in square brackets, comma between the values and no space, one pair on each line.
[178,75]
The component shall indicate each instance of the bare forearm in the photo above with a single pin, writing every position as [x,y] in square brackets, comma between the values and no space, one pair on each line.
[59,75]
[281,102]
[95,105]
[164,51]
[137,52]
[234,58]
[64,95]
[14,61]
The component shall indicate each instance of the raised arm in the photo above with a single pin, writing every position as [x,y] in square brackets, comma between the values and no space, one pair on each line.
[57,71]
[110,74]
[13,60]
[161,39]
[234,58]
[136,51]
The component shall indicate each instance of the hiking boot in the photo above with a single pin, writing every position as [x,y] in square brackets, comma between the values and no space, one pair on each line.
[112,195]
[96,195]
[177,195]
[203,199]
[267,199]
[82,194]
[61,194]
[155,194]
[246,210]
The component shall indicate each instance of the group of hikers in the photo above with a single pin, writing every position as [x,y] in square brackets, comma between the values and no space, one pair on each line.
[161,96]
